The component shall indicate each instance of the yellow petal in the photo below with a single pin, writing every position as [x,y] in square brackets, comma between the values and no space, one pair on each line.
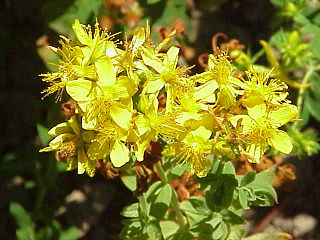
[138,39]
[75,126]
[82,161]
[142,124]
[205,120]
[91,168]
[55,143]
[89,120]
[72,163]
[81,90]
[242,120]
[141,147]
[80,33]
[59,129]
[105,71]
[153,86]
[125,87]
[119,154]
[206,90]
[132,136]
[281,141]
[48,149]
[110,49]
[152,61]
[99,149]
[171,58]
[84,164]
[283,115]
[200,165]
[121,115]
[256,151]
[252,101]
[257,111]
[201,134]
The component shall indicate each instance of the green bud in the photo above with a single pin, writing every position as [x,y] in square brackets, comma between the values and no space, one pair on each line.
[224,148]
[294,37]
[143,103]
[241,59]
[290,8]
[225,98]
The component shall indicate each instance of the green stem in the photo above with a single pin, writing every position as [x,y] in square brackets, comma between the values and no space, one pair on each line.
[301,92]
[174,199]
[220,167]
[143,202]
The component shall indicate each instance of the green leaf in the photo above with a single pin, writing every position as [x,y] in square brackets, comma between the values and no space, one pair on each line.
[26,230]
[29,184]
[162,202]
[43,134]
[220,231]
[153,1]
[153,230]
[195,209]
[62,13]
[153,191]
[315,85]
[232,218]
[132,229]
[304,114]
[266,176]
[131,211]
[69,234]
[243,198]
[199,205]
[130,181]
[313,45]
[221,191]
[277,3]
[169,228]
[50,231]
[211,228]
[236,232]
[313,105]
[144,208]
[265,195]
[176,171]
[228,167]
[248,178]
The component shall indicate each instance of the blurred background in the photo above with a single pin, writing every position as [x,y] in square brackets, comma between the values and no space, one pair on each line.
[39,200]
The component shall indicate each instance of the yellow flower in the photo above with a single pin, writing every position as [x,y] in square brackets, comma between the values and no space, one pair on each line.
[105,98]
[150,124]
[260,128]
[69,144]
[220,72]
[69,58]
[81,62]
[166,75]
[259,88]
[94,45]
[193,149]
[107,144]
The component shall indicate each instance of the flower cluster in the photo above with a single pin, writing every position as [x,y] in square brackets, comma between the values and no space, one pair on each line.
[207,116]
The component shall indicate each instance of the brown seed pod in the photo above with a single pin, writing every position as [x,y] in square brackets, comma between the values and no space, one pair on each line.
[68,108]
